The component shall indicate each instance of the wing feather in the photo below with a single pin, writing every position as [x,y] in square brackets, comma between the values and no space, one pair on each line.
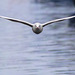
[17,20]
[57,20]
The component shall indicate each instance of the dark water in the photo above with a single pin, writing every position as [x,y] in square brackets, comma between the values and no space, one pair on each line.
[22,52]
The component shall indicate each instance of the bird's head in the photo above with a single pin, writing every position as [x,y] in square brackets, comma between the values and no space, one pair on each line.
[37,28]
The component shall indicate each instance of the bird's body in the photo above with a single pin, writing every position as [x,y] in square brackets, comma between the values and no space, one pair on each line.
[37,27]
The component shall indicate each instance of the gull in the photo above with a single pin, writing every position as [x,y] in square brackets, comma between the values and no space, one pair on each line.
[36,27]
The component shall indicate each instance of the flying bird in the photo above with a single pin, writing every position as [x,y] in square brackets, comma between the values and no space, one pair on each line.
[37,27]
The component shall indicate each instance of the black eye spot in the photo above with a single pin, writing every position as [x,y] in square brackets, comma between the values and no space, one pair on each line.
[39,25]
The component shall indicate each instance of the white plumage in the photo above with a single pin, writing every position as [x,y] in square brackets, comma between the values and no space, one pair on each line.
[37,27]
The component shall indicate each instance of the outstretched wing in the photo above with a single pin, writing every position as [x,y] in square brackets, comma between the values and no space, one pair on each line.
[57,20]
[16,20]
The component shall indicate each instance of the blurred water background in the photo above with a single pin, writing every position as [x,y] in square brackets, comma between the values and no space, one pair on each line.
[22,52]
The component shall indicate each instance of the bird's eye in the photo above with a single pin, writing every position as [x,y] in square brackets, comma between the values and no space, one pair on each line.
[35,26]
[39,25]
